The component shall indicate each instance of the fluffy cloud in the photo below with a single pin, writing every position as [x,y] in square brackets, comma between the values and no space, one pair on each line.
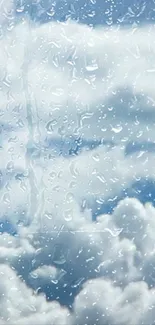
[90,83]
[102,303]
[20,305]
[107,254]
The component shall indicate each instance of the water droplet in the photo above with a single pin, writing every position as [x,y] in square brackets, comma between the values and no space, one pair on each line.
[33,262]
[10,166]
[59,257]
[34,275]
[58,92]
[77,283]
[140,133]
[96,157]
[92,67]
[73,169]
[38,251]
[50,125]
[102,264]
[136,121]
[73,184]
[32,307]
[23,186]
[69,197]
[114,232]
[83,205]
[53,175]
[20,9]
[54,281]
[49,216]
[51,12]
[117,129]
[56,188]
[6,198]
[101,178]
[37,291]
[13,139]
[61,274]
[60,174]
[11,149]
[91,14]
[68,215]
[20,123]
[61,130]
[60,261]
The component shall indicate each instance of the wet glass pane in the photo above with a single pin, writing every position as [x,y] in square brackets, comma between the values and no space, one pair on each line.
[77,162]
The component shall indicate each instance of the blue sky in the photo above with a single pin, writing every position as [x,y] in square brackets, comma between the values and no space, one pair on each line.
[95,12]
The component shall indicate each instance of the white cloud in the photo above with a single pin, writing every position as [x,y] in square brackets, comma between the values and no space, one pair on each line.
[109,248]
[100,302]
[20,305]
[82,81]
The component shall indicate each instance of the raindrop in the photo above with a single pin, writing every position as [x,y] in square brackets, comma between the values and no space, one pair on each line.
[73,169]
[33,262]
[90,259]
[32,308]
[101,178]
[53,175]
[20,9]
[139,134]
[23,186]
[83,205]
[13,139]
[20,123]
[68,215]
[114,232]
[37,290]
[6,198]
[34,275]
[61,130]
[58,92]
[50,125]
[91,14]
[69,197]
[19,176]
[51,12]
[110,109]
[72,8]
[10,166]
[96,157]
[73,184]
[49,216]
[92,67]
[136,121]
[101,265]
[60,261]
[77,283]
[20,6]
[54,281]
[59,257]
[61,274]
[117,129]
[38,251]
